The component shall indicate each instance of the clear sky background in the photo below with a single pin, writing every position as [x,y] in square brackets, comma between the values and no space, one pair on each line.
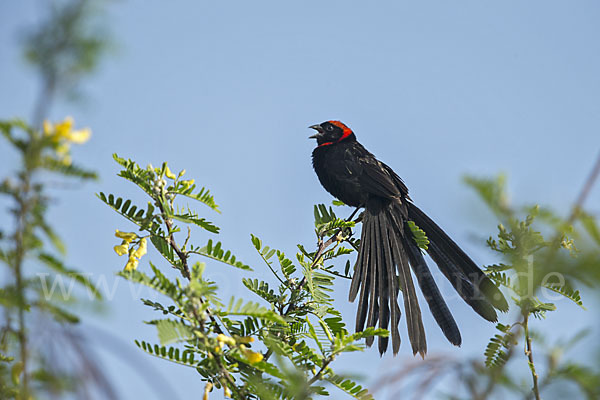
[436,89]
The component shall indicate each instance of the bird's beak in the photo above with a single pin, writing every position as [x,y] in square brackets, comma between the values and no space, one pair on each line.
[318,129]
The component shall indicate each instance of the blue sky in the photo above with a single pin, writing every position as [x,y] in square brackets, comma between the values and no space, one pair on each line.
[436,89]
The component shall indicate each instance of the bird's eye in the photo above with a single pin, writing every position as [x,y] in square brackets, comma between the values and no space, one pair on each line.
[329,128]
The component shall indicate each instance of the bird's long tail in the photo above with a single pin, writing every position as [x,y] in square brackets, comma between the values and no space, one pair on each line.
[470,282]
[386,256]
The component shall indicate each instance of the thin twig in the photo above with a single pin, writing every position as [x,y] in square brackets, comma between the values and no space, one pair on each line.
[20,232]
[529,354]
[185,271]
[323,368]
[585,191]
[183,256]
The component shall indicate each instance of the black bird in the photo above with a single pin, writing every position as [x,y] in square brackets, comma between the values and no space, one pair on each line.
[388,251]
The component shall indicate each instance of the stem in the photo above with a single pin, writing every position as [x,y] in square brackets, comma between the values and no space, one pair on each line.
[585,191]
[44,100]
[182,256]
[529,354]
[317,376]
[21,229]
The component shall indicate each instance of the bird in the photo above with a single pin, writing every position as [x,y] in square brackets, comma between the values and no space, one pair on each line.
[388,253]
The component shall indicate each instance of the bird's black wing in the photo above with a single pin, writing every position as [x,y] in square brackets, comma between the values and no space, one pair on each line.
[375,177]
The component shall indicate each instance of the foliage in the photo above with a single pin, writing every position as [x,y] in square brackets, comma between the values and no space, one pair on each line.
[541,268]
[279,347]
[27,295]
[63,48]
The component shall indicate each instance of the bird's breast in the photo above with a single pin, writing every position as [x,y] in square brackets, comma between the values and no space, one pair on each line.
[338,175]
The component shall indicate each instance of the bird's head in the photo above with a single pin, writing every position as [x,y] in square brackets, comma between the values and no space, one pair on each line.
[331,132]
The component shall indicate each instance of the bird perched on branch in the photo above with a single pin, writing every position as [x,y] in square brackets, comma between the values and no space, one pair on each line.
[388,250]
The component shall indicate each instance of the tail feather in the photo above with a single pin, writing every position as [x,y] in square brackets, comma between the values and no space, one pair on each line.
[360,267]
[363,280]
[393,293]
[465,288]
[455,259]
[374,286]
[388,253]
[384,298]
[437,305]
[416,331]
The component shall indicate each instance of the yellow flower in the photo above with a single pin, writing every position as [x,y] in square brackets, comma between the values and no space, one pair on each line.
[79,137]
[132,264]
[48,129]
[143,249]
[246,339]
[169,174]
[207,389]
[64,131]
[252,356]
[188,183]
[123,248]
[126,236]
[226,391]
[225,339]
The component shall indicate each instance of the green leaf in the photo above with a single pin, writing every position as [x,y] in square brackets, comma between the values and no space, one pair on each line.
[215,252]
[286,265]
[190,217]
[495,354]
[56,265]
[202,196]
[369,331]
[262,289]
[158,282]
[250,309]
[266,253]
[317,284]
[59,314]
[130,212]
[53,237]
[163,247]
[172,354]
[419,235]
[58,166]
[348,386]
[492,192]
[170,331]
[567,292]
[590,225]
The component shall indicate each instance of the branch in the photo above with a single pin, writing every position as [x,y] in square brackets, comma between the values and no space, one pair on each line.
[317,376]
[529,354]
[185,271]
[585,191]
[171,239]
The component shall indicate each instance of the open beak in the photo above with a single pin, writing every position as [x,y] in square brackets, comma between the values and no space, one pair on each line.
[318,129]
